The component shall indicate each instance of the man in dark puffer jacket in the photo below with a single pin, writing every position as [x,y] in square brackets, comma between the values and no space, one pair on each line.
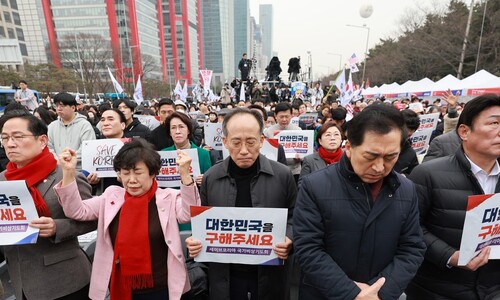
[444,185]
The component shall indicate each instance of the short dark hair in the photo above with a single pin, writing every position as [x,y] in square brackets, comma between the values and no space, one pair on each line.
[165,101]
[261,109]
[129,103]
[181,116]
[412,120]
[475,106]
[65,98]
[338,113]
[324,128]
[282,106]
[120,114]
[380,119]
[136,151]
[23,81]
[35,125]
[242,110]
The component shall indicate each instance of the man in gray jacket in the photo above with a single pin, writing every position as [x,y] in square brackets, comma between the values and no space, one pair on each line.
[70,129]
[247,179]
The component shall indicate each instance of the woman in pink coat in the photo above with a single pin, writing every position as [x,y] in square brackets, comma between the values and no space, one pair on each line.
[138,251]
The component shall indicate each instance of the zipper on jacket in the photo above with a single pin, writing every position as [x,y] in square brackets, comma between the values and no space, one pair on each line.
[366,194]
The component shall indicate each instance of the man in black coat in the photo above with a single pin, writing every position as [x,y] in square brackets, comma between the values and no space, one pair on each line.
[134,128]
[444,185]
[356,223]
[244,66]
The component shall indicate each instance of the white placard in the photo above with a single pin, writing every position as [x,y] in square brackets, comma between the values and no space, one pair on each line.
[239,235]
[98,156]
[295,121]
[428,121]
[420,140]
[481,228]
[308,118]
[169,172]
[213,135]
[149,121]
[17,209]
[294,142]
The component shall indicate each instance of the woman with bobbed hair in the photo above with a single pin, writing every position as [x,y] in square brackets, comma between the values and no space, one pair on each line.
[138,250]
[329,139]
[180,129]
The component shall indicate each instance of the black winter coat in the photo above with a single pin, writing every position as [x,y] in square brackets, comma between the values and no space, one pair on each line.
[137,129]
[443,186]
[340,238]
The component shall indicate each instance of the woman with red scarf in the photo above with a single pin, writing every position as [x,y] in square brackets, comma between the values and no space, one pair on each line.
[138,250]
[329,139]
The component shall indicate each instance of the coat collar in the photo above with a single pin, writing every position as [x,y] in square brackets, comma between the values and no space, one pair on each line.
[265,167]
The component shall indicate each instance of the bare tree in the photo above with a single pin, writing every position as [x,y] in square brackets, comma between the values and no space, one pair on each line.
[93,53]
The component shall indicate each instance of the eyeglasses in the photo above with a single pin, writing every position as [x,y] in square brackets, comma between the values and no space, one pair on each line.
[16,138]
[237,144]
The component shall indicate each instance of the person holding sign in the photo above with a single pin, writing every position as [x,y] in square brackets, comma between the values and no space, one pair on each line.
[180,131]
[329,139]
[356,224]
[138,250]
[54,267]
[444,185]
[247,179]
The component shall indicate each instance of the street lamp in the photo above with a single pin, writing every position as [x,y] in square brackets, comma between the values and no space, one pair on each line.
[168,71]
[80,64]
[132,62]
[340,60]
[310,65]
[366,49]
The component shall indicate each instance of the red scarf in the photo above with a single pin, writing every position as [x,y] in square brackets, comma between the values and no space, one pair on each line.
[131,249]
[330,157]
[37,170]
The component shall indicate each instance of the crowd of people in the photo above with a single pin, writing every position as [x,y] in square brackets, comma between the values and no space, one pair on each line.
[366,219]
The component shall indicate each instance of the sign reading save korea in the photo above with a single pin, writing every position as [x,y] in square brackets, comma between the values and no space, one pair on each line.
[16,212]
[294,142]
[481,228]
[169,172]
[238,235]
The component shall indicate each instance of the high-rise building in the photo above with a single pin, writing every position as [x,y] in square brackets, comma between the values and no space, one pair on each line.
[182,31]
[13,50]
[242,37]
[218,36]
[266,25]
[130,31]
[256,49]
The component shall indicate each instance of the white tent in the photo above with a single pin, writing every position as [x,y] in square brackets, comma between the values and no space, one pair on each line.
[386,89]
[424,85]
[480,79]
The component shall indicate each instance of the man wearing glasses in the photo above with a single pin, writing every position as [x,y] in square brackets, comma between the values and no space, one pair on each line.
[54,267]
[247,179]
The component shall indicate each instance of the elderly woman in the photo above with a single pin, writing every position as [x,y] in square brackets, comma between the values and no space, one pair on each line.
[329,139]
[138,251]
[180,129]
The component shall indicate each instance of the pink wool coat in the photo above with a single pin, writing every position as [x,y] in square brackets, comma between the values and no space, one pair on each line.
[173,206]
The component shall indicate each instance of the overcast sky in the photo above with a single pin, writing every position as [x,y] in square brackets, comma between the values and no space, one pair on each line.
[319,26]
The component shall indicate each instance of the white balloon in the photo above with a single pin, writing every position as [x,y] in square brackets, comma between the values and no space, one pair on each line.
[366,10]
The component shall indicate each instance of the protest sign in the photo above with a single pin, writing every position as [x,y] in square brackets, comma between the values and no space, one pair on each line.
[420,140]
[213,135]
[298,88]
[239,235]
[169,172]
[296,142]
[481,228]
[308,118]
[193,114]
[98,155]
[269,149]
[149,121]
[16,212]
[294,121]
[428,121]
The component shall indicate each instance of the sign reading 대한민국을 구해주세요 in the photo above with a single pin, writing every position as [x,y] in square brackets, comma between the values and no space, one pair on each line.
[481,228]
[16,212]
[294,142]
[169,171]
[239,235]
